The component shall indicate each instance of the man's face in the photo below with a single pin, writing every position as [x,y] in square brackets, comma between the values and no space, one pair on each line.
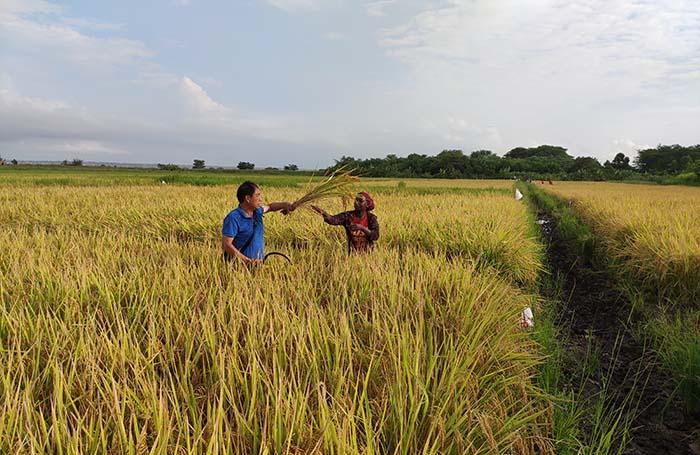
[255,200]
[360,202]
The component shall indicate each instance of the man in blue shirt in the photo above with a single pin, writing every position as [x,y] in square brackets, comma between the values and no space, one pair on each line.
[242,234]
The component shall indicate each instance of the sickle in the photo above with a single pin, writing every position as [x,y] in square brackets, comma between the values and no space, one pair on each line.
[276,253]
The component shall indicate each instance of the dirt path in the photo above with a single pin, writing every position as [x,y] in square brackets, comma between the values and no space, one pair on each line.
[598,315]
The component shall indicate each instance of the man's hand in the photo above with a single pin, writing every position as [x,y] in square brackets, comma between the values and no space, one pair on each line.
[288,208]
[284,207]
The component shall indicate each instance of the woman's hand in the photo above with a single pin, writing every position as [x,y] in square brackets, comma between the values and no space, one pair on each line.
[359,227]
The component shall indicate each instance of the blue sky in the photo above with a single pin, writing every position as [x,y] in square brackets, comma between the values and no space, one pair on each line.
[307,81]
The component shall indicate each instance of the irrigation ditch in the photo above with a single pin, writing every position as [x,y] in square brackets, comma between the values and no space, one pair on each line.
[620,398]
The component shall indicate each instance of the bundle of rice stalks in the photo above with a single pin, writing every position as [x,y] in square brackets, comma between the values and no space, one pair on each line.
[338,184]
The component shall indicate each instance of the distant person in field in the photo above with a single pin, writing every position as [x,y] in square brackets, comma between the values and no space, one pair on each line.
[361,225]
[242,234]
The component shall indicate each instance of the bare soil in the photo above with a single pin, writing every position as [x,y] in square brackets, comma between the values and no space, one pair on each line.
[595,314]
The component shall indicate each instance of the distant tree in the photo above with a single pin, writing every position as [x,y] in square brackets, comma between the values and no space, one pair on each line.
[544,159]
[14,162]
[271,168]
[619,163]
[481,154]
[291,167]
[198,164]
[546,151]
[75,162]
[694,167]
[168,167]
[451,164]
[245,165]
[344,161]
[585,164]
[485,163]
[667,159]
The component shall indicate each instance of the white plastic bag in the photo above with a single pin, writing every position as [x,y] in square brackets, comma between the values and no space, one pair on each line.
[518,194]
[527,320]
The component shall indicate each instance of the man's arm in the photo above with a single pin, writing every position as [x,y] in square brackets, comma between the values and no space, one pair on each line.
[227,244]
[284,207]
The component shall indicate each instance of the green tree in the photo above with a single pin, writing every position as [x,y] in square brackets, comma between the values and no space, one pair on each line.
[619,163]
[198,164]
[291,167]
[693,166]
[168,167]
[585,164]
[546,151]
[666,159]
[243,165]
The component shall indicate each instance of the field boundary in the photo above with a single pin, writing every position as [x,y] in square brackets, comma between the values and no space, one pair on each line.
[595,319]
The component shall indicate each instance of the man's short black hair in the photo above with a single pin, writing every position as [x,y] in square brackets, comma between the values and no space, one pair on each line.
[246,189]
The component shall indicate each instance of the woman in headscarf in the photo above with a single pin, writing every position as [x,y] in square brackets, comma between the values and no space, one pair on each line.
[361,226]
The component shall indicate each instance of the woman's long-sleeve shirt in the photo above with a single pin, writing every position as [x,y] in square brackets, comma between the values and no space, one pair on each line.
[357,241]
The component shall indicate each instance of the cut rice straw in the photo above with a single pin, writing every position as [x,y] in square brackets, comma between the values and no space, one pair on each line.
[338,184]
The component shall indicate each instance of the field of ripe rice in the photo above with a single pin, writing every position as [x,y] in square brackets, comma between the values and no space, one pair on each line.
[121,331]
[651,232]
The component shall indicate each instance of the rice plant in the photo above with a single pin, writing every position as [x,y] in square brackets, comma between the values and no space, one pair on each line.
[122,331]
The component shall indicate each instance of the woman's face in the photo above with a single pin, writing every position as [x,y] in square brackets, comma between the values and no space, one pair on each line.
[360,202]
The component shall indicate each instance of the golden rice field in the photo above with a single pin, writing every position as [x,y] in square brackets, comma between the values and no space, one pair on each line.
[121,330]
[652,233]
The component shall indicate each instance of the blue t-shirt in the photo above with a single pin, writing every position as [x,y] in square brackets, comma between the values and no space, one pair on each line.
[239,226]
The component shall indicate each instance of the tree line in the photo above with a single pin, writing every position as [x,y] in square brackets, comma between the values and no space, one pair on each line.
[242,165]
[542,162]
[667,163]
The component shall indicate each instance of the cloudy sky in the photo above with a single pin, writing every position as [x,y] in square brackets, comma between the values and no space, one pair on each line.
[307,81]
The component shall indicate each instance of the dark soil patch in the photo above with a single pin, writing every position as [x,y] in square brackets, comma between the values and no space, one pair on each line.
[596,314]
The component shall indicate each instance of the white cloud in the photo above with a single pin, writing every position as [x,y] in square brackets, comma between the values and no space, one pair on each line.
[51,126]
[61,39]
[90,24]
[12,101]
[86,147]
[458,132]
[294,5]
[376,8]
[609,39]
[198,100]
[29,118]
[628,147]
[467,74]
[12,7]
[204,115]
[335,36]
[570,73]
